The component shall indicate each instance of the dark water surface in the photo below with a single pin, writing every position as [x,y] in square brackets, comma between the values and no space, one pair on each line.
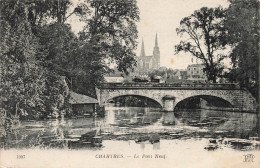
[139,128]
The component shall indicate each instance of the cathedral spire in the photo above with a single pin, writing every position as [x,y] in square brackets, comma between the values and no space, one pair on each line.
[142,49]
[156,42]
[156,54]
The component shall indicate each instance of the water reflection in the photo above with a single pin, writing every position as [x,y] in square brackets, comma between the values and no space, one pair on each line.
[144,126]
[132,116]
[231,124]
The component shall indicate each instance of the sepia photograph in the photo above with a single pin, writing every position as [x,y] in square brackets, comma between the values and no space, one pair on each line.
[129,84]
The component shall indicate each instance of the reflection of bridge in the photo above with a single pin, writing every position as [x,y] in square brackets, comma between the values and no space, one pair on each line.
[169,95]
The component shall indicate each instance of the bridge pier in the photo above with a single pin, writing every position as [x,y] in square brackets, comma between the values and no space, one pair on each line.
[168,103]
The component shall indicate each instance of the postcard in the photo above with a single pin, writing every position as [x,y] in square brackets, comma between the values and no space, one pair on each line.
[129,83]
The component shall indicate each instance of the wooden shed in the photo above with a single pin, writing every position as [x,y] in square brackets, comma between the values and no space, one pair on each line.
[82,104]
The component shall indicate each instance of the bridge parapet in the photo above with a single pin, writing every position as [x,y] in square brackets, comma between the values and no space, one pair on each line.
[227,86]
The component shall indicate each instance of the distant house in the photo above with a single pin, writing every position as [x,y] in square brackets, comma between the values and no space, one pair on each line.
[195,72]
[82,104]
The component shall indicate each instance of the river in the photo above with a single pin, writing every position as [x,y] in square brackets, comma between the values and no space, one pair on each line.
[137,137]
[141,127]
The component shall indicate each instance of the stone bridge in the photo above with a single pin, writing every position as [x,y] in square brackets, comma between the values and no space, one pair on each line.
[169,95]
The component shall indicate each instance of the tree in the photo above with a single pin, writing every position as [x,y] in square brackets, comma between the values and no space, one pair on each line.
[29,85]
[206,38]
[87,69]
[57,48]
[242,24]
[109,37]
[56,41]
[21,78]
[113,30]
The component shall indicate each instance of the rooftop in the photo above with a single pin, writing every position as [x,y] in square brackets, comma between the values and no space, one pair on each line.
[76,98]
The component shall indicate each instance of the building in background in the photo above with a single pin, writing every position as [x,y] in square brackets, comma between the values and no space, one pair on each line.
[148,63]
[195,72]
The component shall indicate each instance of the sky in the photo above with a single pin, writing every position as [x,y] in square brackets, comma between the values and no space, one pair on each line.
[163,17]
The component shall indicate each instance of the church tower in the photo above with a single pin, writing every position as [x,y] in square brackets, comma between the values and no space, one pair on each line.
[156,54]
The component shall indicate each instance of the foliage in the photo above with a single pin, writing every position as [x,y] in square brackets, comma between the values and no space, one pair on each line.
[87,70]
[59,44]
[113,30]
[206,38]
[162,72]
[21,78]
[170,75]
[25,71]
[109,37]
[242,24]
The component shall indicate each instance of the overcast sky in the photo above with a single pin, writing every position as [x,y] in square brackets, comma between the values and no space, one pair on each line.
[163,17]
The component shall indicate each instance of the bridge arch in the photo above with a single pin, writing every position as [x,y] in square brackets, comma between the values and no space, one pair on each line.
[134,95]
[217,101]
